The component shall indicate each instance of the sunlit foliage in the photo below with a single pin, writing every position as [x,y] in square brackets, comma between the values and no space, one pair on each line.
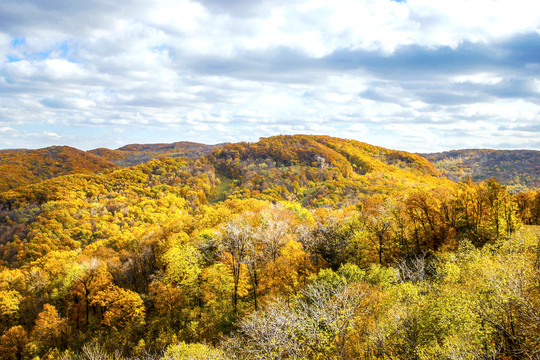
[302,247]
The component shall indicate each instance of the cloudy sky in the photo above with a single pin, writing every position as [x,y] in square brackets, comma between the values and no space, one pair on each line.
[416,75]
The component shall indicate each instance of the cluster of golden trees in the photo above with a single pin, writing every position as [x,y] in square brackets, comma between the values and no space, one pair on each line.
[468,304]
[320,170]
[147,262]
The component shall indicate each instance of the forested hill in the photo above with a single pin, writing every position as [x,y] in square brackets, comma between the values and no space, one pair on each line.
[135,154]
[307,168]
[315,170]
[21,167]
[519,169]
[318,170]
[345,248]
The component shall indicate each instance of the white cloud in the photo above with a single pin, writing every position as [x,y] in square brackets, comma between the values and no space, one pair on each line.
[206,71]
[503,112]
[536,85]
[5,41]
[180,16]
[5,129]
[51,134]
[61,69]
[358,128]
[51,69]
[318,28]
[450,23]
[479,78]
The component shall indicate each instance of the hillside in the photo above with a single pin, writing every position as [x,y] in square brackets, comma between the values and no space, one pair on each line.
[135,154]
[314,236]
[519,169]
[21,167]
[310,169]
[319,170]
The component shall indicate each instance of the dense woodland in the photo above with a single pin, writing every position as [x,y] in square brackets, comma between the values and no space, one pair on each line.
[294,247]
[518,169]
[22,167]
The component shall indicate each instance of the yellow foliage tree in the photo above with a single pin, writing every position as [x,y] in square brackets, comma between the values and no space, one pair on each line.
[50,329]
[121,306]
[290,270]
[92,277]
[9,303]
[13,342]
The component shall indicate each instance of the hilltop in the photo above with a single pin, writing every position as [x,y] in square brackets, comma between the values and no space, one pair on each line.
[306,168]
[22,167]
[135,154]
[318,170]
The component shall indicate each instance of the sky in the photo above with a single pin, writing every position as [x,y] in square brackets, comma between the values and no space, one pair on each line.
[414,75]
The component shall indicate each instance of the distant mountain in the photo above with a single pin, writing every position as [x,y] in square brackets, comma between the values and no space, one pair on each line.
[315,170]
[135,154]
[22,167]
[518,169]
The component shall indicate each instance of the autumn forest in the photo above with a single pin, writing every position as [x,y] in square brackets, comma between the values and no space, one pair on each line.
[292,247]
